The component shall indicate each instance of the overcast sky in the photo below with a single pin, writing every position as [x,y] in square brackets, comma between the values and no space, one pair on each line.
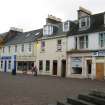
[31,14]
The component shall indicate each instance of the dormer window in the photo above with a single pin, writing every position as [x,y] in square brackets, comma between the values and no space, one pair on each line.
[84,23]
[66,26]
[47,30]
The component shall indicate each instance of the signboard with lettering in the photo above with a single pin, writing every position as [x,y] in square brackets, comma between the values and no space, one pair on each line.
[76,62]
[99,53]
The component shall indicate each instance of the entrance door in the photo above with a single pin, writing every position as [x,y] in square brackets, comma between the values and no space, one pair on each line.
[99,71]
[63,72]
[5,66]
[89,65]
[55,67]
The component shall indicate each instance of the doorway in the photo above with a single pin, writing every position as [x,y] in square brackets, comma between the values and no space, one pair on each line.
[63,69]
[55,67]
[99,71]
[5,66]
[89,68]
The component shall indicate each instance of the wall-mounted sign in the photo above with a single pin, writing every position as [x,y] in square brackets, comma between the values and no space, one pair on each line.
[99,53]
[76,62]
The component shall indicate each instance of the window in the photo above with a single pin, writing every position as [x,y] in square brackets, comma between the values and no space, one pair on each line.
[59,45]
[30,47]
[22,48]
[40,65]
[47,65]
[102,40]
[1,64]
[66,26]
[15,48]
[83,42]
[47,30]
[76,63]
[42,45]
[3,49]
[9,48]
[84,23]
[9,64]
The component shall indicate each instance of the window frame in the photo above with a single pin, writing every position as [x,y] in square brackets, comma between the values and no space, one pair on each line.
[59,45]
[48,66]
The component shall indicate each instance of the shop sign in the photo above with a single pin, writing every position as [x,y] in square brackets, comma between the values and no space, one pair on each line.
[99,53]
[5,57]
[76,62]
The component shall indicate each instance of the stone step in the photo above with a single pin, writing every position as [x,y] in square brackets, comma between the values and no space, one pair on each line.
[97,94]
[92,99]
[76,101]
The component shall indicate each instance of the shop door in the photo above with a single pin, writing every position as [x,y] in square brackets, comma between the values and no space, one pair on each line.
[99,71]
[63,72]
[5,66]
[89,65]
[55,67]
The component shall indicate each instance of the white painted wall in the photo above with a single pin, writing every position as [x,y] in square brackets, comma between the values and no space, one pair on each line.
[93,43]
[70,43]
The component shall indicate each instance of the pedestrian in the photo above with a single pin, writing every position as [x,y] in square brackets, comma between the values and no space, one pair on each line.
[34,70]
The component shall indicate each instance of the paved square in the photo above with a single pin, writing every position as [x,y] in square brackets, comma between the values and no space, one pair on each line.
[41,90]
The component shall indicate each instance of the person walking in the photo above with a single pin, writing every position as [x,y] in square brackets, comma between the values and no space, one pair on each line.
[34,70]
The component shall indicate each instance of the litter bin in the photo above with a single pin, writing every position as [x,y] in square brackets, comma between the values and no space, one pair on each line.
[13,72]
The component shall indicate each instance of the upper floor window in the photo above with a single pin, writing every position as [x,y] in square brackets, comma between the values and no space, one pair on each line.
[22,48]
[47,30]
[83,42]
[9,48]
[66,26]
[42,45]
[84,23]
[30,47]
[15,48]
[102,40]
[3,49]
[59,45]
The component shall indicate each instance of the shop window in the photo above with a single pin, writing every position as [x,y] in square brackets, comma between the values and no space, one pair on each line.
[9,64]
[77,70]
[40,65]
[1,64]
[47,65]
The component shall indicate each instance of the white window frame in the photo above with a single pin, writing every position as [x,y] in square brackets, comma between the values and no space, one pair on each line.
[102,40]
[30,47]
[85,42]
[59,46]
[86,20]
[66,26]
[22,48]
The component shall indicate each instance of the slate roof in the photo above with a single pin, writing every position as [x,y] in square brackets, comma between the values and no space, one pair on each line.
[25,37]
[96,25]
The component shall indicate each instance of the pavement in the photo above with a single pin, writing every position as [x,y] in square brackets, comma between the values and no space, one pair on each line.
[42,90]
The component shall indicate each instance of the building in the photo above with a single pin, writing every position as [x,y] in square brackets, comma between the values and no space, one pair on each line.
[18,53]
[51,53]
[86,46]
